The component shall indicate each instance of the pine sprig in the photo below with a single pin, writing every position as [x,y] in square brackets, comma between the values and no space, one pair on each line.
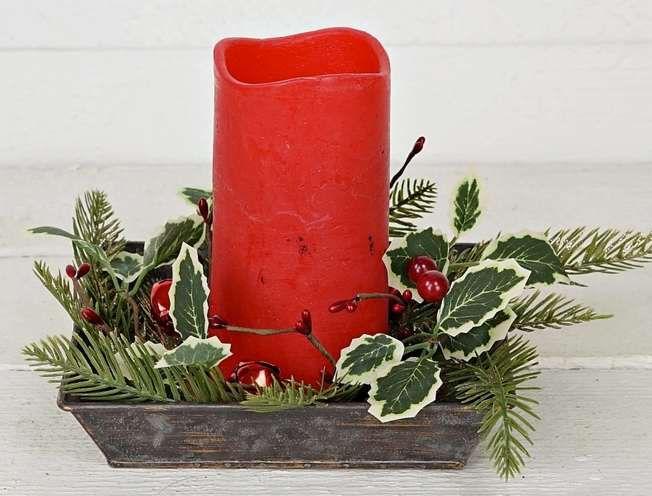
[608,251]
[59,287]
[284,395]
[551,311]
[89,369]
[410,199]
[493,383]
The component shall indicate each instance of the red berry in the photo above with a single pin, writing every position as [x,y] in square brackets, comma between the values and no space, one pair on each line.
[302,328]
[338,306]
[71,271]
[261,374]
[82,270]
[418,145]
[404,332]
[395,292]
[398,308]
[202,204]
[307,318]
[419,265]
[89,315]
[160,301]
[352,306]
[406,296]
[433,286]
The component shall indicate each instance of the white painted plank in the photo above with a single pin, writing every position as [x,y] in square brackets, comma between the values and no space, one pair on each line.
[558,196]
[531,104]
[166,23]
[594,440]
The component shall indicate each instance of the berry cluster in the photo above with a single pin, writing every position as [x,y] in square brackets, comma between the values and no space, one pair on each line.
[432,284]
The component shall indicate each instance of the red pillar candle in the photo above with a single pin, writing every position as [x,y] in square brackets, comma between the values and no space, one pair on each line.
[301,186]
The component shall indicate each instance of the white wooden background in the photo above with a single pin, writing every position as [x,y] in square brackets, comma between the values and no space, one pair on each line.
[550,100]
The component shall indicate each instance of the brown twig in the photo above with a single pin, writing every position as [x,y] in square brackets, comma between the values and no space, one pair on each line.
[134,307]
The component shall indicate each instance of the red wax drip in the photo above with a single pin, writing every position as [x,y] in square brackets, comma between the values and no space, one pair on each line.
[301,187]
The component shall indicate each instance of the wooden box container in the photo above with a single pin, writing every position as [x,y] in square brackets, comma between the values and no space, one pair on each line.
[344,435]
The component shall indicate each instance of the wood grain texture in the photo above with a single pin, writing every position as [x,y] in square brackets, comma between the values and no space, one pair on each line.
[525,103]
[171,24]
[594,439]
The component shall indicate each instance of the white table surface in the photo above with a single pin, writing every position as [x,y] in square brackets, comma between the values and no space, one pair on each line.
[595,437]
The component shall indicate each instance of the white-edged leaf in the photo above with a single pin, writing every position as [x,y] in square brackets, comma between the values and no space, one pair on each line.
[402,389]
[155,349]
[479,294]
[479,339]
[365,356]
[427,242]
[192,195]
[532,251]
[127,266]
[166,242]
[189,295]
[466,205]
[194,351]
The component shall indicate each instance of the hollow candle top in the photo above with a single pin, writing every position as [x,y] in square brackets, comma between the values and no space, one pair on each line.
[301,188]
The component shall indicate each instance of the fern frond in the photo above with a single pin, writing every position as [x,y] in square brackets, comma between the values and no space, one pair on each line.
[492,383]
[410,199]
[551,311]
[607,251]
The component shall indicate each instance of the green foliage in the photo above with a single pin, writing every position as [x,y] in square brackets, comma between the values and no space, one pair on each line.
[609,251]
[89,368]
[427,242]
[204,353]
[550,311]
[361,361]
[59,287]
[284,395]
[493,384]
[466,208]
[193,195]
[409,200]
[189,295]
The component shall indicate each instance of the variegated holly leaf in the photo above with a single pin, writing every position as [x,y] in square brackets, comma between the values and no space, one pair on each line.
[134,350]
[532,251]
[204,353]
[427,242]
[466,205]
[365,356]
[189,295]
[127,266]
[479,339]
[164,246]
[192,195]
[479,294]
[402,389]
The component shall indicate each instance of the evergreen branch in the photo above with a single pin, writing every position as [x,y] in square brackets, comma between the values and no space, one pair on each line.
[607,251]
[552,311]
[284,395]
[59,287]
[93,367]
[410,200]
[492,384]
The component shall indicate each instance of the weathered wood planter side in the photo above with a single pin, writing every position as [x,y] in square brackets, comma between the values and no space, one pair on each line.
[443,435]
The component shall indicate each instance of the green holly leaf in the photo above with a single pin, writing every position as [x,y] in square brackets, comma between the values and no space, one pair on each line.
[164,246]
[402,389]
[466,206]
[192,195]
[427,242]
[533,252]
[204,353]
[479,339]
[479,294]
[127,266]
[189,295]
[365,356]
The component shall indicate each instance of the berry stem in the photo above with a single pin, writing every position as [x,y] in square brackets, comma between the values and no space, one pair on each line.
[418,146]
[373,296]
[270,332]
[80,293]
[134,306]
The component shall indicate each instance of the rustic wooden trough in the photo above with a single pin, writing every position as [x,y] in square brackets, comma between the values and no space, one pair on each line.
[343,435]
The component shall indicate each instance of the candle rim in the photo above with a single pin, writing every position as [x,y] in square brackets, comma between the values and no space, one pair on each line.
[224,73]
